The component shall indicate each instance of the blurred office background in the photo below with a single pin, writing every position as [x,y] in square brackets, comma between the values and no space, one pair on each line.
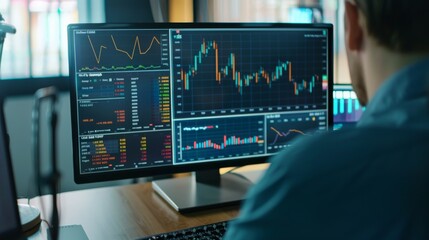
[37,56]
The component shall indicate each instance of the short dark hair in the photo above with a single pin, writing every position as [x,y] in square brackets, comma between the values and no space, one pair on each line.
[400,25]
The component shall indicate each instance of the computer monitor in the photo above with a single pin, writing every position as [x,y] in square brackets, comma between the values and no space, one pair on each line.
[346,107]
[10,223]
[151,99]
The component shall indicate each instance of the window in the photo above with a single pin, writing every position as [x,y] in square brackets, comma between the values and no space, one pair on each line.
[39,47]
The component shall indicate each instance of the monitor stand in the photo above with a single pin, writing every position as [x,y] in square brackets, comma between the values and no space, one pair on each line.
[203,190]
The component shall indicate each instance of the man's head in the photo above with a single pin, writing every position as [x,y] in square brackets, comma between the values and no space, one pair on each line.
[394,28]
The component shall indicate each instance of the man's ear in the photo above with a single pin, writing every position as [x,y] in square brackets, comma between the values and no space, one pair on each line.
[353,28]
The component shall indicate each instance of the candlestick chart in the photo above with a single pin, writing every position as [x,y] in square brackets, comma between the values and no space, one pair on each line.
[249,70]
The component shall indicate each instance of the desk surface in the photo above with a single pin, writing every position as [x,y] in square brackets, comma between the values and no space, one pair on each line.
[124,212]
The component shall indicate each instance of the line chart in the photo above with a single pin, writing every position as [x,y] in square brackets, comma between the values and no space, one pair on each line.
[136,45]
[123,51]
[282,129]
[284,134]
[131,56]
[97,56]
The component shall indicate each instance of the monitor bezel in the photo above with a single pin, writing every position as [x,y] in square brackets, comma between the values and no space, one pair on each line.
[170,169]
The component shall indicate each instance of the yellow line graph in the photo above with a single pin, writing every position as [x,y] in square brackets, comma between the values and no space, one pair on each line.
[93,50]
[136,44]
[289,131]
[131,56]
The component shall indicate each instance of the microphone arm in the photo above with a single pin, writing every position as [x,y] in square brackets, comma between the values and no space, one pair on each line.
[6,28]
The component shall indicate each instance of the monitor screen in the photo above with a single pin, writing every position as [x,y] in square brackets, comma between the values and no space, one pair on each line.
[164,98]
[346,107]
[10,225]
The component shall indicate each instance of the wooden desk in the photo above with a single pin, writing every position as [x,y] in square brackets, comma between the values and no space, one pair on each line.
[126,212]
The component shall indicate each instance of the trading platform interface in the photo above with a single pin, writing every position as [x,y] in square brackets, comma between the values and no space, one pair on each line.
[346,107]
[159,97]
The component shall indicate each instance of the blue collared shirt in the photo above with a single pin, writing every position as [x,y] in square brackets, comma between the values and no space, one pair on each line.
[369,182]
[402,101]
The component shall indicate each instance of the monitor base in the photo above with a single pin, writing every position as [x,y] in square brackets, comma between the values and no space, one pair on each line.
[187,195]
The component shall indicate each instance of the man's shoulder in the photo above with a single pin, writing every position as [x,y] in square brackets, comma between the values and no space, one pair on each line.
[343,178]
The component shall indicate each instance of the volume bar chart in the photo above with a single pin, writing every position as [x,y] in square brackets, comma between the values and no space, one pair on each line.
[227,141]
[224,138]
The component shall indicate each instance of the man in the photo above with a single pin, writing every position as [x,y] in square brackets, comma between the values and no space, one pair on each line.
[370,182]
